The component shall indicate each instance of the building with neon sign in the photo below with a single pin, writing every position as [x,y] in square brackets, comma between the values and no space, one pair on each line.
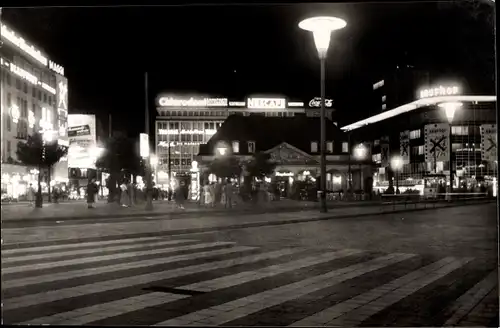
[411,132]
[33,97]
[185,122]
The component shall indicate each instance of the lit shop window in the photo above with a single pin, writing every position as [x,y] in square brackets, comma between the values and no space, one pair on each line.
[236,147]
[415,134]
[314,147]
[345,147]
[460,130]
[329,147]
[251,147]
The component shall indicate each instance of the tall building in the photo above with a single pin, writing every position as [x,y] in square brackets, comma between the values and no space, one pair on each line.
[34,97]
[397,87]
[185,122]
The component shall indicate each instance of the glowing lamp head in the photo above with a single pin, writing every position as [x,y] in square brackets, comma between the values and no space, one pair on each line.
[397,163]
[450,108]
[48,135]
[222,151]
[322,27]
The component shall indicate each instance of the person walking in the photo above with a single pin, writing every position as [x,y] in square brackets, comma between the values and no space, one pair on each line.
[124,197]
[31,195]
[91,192]
[228,194]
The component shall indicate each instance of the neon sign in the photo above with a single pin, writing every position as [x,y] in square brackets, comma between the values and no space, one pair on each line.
[271,103]
[192,102]
[316,102]
[237,104]
[23,74]
[295,104]
[56,68]
[284,174]
[439,91]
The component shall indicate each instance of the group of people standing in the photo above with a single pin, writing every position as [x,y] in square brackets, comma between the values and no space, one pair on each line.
[215,193]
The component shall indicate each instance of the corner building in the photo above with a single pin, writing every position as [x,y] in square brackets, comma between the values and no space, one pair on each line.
[33,97]
[185,122]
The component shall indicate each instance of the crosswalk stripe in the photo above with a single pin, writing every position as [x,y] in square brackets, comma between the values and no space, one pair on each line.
[465,303]
[55,295]
[361,307]
[247,305]
[94,251]
[38,249]
[101,311]
[96,259]
[125,266]
[274,270]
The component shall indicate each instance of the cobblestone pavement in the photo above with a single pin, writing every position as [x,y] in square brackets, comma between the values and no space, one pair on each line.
[371,271]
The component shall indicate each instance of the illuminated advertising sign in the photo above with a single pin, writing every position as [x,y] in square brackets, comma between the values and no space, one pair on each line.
[295,104]
[8,34]
[192,102]
[144,145]
[237,104]
[62,92]
[316,102]
[266,103]
[439,91]
[82,141]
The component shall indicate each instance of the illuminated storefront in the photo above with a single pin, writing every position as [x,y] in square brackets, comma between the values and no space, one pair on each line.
[184,123]
[34,97]
[422,139]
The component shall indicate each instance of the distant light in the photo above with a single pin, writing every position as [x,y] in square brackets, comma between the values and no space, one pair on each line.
[14,112]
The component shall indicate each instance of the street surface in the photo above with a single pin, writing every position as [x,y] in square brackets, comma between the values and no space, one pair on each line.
[350,267]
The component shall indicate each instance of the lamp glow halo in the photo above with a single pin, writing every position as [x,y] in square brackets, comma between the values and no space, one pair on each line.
[322,23]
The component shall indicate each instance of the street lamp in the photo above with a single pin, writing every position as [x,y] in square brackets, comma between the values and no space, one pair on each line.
[154,163]
[359,154]
[450,108]
[322,28]
[47,136]
[397,164]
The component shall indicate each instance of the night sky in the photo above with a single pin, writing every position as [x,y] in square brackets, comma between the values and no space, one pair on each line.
[240,50]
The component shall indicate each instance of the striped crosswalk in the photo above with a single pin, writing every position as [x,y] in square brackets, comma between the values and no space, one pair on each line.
[161,282]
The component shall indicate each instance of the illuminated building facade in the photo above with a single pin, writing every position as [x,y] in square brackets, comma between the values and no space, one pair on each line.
[184,123]
[421,139]
[34,97]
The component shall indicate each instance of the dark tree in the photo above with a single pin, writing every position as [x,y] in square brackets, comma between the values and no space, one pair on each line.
[260,166]
[119,158]
[44,155]
[226,167]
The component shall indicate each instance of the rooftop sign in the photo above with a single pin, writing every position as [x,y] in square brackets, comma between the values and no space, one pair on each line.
[266,103]
[439,91]
[34,53]
[192,102]
[316,102]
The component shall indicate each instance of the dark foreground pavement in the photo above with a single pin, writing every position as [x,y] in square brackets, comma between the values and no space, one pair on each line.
[424,268]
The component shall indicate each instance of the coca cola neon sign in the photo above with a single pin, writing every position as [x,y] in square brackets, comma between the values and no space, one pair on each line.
[316,102]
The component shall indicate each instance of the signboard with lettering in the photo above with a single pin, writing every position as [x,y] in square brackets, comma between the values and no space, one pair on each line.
[439,91]
[489,138]
[192,102]
[266,103]
[437,143]
[82,139]
[404,146]
[316,102]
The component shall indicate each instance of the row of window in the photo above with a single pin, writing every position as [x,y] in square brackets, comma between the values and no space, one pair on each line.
[455,130]
[189,126]
[35,92]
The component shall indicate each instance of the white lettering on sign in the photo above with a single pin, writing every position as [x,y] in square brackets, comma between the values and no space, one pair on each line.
[237,103]
[20,43]
[316,102]
[440,91]
[56,68]
[284,174]
[167,132]
[272,103]
[192,102]
[295,104]
[48,88]
[23,74]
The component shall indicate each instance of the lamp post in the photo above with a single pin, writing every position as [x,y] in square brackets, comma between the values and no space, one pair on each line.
[322,27]
[154,163]
[47,136]
[450,108]
[149,201]
[396,164]
[360,153]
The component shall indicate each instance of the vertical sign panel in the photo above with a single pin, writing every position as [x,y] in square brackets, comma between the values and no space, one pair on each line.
[144,145]
[437,143]
[404,146]
[489,138]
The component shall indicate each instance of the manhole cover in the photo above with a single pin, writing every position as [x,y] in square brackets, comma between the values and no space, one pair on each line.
[179,291]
